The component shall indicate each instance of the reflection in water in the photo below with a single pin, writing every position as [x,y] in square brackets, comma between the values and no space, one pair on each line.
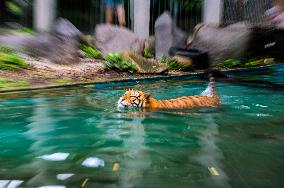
[210,155]
[41,123]
[136,160]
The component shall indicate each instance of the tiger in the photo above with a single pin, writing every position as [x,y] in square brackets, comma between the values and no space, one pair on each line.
[140,99]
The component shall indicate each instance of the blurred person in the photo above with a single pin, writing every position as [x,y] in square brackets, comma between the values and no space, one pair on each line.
[117,5]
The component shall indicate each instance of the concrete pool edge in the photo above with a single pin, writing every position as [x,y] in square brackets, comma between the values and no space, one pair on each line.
[106,81]
[137,79]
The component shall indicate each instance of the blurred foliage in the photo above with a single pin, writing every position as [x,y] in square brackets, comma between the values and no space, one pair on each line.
[259,62]
[180,63]
[174,65]
[64,80]
[229,63]
[5,83]
[115,61]
[14,7]
[12,62]
[165,59]
[254,63]
[28,31]
[91,52]
[232,63]
[7,50]
[190,4]
[149,53]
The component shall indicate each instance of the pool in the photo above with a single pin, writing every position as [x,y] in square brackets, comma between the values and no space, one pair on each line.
[77,138]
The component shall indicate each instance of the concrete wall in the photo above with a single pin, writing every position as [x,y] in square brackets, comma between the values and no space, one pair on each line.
[213,11]
[141,17]
[44,14]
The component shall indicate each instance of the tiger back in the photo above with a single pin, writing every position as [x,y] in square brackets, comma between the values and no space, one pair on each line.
[136,98]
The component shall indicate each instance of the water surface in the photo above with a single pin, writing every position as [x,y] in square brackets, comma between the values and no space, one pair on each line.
[46,136]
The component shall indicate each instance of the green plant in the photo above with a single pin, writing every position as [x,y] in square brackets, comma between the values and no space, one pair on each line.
[254,62]
[14,7]
[229,63]
[174,65]
[28,31]
[149,53]
[64,80]
[7,50]
[5,83]
[114,61]
[12,62]
[190,4]
[91,52]
[165,59]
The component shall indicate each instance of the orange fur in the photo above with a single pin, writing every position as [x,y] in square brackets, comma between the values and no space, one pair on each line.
[135,98]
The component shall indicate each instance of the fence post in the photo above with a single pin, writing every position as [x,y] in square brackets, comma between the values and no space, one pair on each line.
[44,14]
[141,17]
[213,11]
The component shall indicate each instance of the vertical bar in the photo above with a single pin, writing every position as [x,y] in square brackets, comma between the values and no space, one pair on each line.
[213,11]
[44,14]
[141,17]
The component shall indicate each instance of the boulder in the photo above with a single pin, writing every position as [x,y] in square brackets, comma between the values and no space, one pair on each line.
[144,65]
[111,38]
[238,41]
[59,46]
[167,35]
[230,42]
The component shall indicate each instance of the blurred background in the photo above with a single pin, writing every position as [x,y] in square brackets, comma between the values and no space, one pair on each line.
[87,13]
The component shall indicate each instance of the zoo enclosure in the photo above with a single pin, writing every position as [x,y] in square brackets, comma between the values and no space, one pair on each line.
[85,14]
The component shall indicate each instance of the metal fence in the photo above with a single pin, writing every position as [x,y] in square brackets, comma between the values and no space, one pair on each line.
[249,11]
[186,13]
[87,13]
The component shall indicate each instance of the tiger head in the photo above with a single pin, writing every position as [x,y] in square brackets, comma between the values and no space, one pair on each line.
[134,98]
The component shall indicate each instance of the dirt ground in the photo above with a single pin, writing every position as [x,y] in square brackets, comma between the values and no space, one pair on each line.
[42,72]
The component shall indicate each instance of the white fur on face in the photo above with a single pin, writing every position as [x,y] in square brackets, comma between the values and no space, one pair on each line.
[122,103]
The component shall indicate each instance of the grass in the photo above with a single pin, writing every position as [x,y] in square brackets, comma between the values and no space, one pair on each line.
[115,61]
[232,63]
[12,62]
[6,83]
[64,80]
[7,50]
[174,65]
[148,53]
[229,63]
[91,52]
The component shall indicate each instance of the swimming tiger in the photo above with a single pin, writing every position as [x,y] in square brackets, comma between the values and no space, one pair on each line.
[136,98]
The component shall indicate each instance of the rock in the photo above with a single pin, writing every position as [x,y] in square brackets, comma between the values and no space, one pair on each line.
[59,46]
[144,65]
[110,38]
[221,43]
[238,41]
[167,35]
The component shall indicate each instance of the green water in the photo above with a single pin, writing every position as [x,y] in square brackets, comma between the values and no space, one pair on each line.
[243,139]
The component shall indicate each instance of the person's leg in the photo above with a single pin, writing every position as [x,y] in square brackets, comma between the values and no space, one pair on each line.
[120,12]
[109,4]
